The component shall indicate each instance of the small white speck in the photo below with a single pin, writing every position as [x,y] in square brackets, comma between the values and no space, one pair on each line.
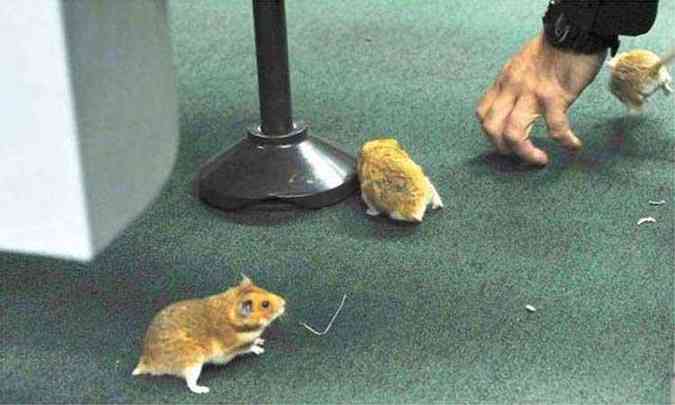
[530,308]
[650,220]
[659,202]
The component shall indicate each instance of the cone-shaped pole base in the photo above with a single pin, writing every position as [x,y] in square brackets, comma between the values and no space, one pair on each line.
[294,168]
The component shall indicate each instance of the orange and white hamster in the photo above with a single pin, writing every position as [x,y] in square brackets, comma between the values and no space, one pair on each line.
[392,183]
[188,334]
[638,74]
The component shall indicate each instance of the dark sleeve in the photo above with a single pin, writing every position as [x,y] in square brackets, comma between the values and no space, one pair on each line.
[612,17]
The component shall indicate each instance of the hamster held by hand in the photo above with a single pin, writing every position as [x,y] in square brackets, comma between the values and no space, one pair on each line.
[638,74]
[188,334]
[392,183]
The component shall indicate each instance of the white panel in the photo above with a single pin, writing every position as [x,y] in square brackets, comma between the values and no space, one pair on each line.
[125,90]
[42,205]
[89,132]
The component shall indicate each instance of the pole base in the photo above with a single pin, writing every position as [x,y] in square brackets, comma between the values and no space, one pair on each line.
[294,168]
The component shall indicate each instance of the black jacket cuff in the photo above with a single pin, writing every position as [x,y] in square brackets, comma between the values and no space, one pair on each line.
[612,17]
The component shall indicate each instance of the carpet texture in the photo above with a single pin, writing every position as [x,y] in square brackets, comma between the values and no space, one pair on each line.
[435,312]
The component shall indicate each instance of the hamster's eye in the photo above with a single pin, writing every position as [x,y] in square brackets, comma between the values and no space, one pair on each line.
[265,304]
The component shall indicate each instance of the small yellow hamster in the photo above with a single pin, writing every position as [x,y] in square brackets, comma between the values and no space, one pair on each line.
[392,183]
[638,74]
[188,334]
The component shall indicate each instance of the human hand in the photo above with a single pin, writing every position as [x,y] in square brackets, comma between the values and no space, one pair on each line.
[539,80]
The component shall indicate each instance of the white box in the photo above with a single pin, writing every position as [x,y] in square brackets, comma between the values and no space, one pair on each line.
[89,128]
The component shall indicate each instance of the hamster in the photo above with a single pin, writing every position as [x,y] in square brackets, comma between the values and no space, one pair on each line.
[638,74]
[188,334]
[392,183]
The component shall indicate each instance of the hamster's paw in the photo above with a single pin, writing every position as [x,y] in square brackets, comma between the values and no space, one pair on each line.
[257,350]
[199,389]
[396,216]
[371,209]
[436,201]
[191,376]
[414,218]
[634,110]
[259,341]
[666,81]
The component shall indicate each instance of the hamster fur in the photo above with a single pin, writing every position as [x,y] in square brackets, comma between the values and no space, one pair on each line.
[638,74]
[392,183]
[188,334]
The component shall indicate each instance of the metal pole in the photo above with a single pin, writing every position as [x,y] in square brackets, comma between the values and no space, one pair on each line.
[274,87]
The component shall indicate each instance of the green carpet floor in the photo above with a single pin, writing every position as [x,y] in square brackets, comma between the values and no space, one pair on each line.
[436,312]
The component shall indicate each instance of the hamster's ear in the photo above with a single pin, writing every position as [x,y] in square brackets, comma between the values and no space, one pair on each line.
[246,308]
[245,281]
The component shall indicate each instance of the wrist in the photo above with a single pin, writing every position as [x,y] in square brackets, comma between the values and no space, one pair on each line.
[576,34]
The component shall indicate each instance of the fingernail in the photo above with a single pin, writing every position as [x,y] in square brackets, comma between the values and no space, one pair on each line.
[540,159]
[574,142]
